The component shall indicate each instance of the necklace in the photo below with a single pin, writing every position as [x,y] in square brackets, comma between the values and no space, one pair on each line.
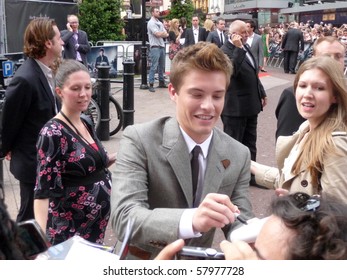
[77,131]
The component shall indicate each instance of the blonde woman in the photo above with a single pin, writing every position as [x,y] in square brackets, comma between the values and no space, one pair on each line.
[209,26]
[314,159]
[175,34]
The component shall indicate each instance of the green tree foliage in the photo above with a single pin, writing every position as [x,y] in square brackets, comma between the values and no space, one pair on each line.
[180,9]
[101,19]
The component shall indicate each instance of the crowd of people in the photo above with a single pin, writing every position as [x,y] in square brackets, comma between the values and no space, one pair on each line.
[310,32]
[273,37]
[179,178]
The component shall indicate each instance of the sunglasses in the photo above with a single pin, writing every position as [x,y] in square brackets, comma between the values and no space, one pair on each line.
[305,202]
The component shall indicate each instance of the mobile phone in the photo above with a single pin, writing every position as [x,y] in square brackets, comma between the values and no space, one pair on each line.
[199,253]
[33,236]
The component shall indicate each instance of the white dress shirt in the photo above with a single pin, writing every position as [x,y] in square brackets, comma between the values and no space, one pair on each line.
[186,223]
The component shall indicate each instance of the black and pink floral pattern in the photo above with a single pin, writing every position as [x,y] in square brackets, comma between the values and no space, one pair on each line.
[73,175]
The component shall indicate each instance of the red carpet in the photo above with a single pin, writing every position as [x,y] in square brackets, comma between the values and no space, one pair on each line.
[263,74]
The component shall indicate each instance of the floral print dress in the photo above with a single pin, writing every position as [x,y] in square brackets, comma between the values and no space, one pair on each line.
[74,177]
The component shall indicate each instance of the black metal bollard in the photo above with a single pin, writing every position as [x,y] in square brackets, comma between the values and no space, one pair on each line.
[128,93]
[103,92]
[144,84]
[2,191]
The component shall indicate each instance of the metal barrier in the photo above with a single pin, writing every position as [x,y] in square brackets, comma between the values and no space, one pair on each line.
[131,46]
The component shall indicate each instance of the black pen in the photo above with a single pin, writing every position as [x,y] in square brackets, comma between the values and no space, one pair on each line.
[237,216]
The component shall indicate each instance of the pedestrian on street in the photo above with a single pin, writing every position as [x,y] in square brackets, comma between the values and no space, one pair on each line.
[314,159]
[287,115]
[254,40]
[73,186]
[292,42]
[76,41]
[196,33]
[156,35]
[246,96]
[217,36]
[30,103]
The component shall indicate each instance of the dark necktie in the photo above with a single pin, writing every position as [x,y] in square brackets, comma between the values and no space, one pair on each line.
[248,55]
[221,38]
[195,168]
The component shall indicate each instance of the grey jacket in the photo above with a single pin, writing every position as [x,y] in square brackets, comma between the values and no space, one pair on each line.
[152,181]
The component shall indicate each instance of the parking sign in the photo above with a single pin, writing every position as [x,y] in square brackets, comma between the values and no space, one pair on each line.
[7,68]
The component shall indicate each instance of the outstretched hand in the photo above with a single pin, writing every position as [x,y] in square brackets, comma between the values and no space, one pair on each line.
[169,252]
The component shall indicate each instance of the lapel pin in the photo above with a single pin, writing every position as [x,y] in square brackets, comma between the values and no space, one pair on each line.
[226,163]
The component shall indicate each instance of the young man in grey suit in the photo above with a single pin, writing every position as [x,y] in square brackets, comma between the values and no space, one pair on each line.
[30,103]
[218,36]
[255,43]
[152,181]
[75,40]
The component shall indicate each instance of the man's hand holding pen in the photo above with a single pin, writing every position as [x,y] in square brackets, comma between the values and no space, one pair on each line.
[215,211]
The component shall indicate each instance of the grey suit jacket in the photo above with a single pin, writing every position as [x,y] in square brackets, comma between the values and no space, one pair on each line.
[152,181]
[213,37]
[257,49]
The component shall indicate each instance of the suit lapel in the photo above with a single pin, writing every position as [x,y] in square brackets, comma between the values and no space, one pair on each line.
[216,166]
[250,53]
[45,84]
[178,157]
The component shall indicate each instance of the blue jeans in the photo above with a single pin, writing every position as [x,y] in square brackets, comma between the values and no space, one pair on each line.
[157,56]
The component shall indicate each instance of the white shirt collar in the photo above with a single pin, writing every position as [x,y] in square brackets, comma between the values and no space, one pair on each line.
[191,143]
[45,69]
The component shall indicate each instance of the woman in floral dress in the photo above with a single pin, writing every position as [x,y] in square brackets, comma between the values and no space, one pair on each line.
[73,185]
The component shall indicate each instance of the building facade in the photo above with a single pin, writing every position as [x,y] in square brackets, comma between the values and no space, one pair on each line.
[272,12]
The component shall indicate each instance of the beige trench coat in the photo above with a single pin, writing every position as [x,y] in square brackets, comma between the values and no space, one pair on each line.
[334,176]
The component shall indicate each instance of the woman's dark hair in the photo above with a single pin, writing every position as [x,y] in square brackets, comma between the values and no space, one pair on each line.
[321,234]
[12,247]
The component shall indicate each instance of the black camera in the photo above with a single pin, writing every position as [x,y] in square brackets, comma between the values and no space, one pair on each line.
[199,253]
[33,236]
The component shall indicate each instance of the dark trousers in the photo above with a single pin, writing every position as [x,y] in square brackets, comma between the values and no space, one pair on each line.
[244,130]
[26,210]
[290,60]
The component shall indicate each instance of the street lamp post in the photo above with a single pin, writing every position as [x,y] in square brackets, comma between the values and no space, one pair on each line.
[144,84]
